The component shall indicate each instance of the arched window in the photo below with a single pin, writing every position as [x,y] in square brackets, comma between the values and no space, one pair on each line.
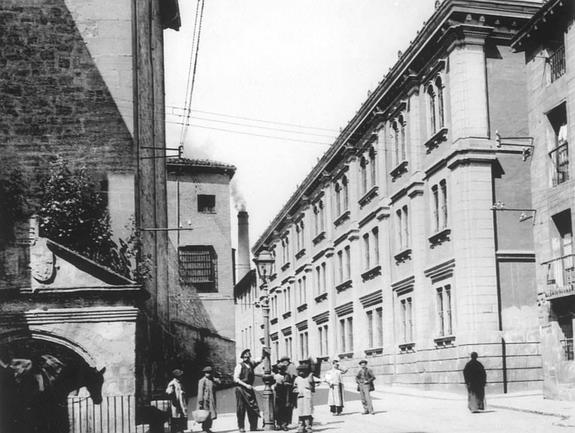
[402,142]
[345,193]
[363,166]
[440,102]
[372,166]
[432,107]
[395,136]
[338,194]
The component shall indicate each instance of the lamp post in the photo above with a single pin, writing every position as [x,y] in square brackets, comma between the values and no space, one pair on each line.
[264,265]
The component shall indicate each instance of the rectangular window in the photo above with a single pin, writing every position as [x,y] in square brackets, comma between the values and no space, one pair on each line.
[323,278]
[406,311]
[206,203]
[323,340]
[349,339]
[342,346]
[370,328]
[435,207]
[340,266]
[559,145]
[198,267]
[443,201]
[556,60]
[379,327]
[318,280]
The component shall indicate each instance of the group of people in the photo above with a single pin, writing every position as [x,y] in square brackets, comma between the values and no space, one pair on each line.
[293,389]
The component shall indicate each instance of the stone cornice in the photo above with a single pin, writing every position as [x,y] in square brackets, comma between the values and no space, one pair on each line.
[70,315]
[404,286]
[441,271]
[371,299]
[321,317]
[344,309]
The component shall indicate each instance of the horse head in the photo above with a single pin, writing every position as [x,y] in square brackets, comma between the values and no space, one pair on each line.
[94,379]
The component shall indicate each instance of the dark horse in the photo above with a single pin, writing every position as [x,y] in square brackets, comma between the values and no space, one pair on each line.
[35,393]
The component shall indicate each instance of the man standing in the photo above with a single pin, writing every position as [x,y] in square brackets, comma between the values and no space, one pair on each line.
[475,379]
[245,395]
[179,403]
[364,379]
[334,380]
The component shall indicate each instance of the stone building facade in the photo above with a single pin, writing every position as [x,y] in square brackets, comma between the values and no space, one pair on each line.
[548,41]
[83,81]
[199,204]
[405,244]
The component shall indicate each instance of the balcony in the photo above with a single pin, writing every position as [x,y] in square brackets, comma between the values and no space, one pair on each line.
[560,159]
[556,62]
[560,277]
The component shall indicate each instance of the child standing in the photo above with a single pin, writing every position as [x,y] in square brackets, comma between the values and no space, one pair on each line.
[207,397]
[304,386]
[179,403]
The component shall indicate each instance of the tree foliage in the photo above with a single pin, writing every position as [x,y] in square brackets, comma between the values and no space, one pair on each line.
[13,201]
[74,213]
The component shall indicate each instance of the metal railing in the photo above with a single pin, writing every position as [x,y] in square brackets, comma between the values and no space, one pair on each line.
[568,349]
[561,276]
[557,63]
[116,414]
[560,158]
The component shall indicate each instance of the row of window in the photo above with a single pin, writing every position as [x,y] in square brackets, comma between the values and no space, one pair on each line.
[373,330]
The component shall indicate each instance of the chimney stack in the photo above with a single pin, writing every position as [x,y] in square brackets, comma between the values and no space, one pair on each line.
[243,264]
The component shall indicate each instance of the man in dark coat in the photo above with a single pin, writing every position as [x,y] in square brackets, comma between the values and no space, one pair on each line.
[365,379]
[475,379]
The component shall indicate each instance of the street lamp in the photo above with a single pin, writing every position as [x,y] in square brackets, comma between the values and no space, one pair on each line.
[264,265]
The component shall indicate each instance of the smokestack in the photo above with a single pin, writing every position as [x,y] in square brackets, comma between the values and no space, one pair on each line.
[243,262]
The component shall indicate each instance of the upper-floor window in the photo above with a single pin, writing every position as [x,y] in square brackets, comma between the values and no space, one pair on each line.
[343,264]
[341,201]
[398,139]
[370,248]
[368,170]
[323,339]
[439,205]
[435,105]
[406,334]
[346,334]
[321,278]
[319,217]
[374,318]
[559,145]
[206,203]
[402,218]
[198,266]
[285,249]
[299,235]
[556,61]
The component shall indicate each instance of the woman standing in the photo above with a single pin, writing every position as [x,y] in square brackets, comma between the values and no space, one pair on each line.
[335,395]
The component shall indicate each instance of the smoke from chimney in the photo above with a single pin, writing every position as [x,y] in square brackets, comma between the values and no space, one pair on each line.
[237,196]
[243,263]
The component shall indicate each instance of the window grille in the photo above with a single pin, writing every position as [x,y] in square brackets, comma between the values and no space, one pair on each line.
[198,267]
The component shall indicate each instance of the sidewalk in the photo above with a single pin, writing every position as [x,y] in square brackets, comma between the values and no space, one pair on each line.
[529,401]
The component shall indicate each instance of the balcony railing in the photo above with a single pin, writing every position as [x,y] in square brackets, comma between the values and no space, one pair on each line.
[560,158]
[568,349]
[557,63]
[560,276]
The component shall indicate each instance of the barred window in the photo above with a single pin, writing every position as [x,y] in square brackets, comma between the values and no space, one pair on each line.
[198,267]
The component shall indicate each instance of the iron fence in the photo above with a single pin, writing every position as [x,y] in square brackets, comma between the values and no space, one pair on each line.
[116,414]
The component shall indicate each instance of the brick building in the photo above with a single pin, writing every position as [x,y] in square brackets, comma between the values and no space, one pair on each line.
[83,81]
[405,244]
[548,41]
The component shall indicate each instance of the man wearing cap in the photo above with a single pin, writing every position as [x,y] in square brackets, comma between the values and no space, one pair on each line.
[285,408]
[179,404]
[207,397]
[245,395]
[364,379]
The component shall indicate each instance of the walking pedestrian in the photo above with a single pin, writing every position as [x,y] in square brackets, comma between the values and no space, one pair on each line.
[207,397]
[304,386]
[365,379]
[335,394]
[475,379]
[246,402]
[179,403]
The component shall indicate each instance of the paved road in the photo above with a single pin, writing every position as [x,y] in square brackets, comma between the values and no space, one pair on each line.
[406,414]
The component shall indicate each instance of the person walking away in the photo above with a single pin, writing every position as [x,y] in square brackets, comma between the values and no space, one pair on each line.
[246,402]
[365,379]
[475,379]
[304,386]
[335,394]
[179,404]
[207,397]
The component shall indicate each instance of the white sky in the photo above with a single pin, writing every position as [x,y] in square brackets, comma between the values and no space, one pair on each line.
[304,62]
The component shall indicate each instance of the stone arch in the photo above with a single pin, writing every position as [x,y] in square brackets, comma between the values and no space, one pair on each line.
[10,339]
